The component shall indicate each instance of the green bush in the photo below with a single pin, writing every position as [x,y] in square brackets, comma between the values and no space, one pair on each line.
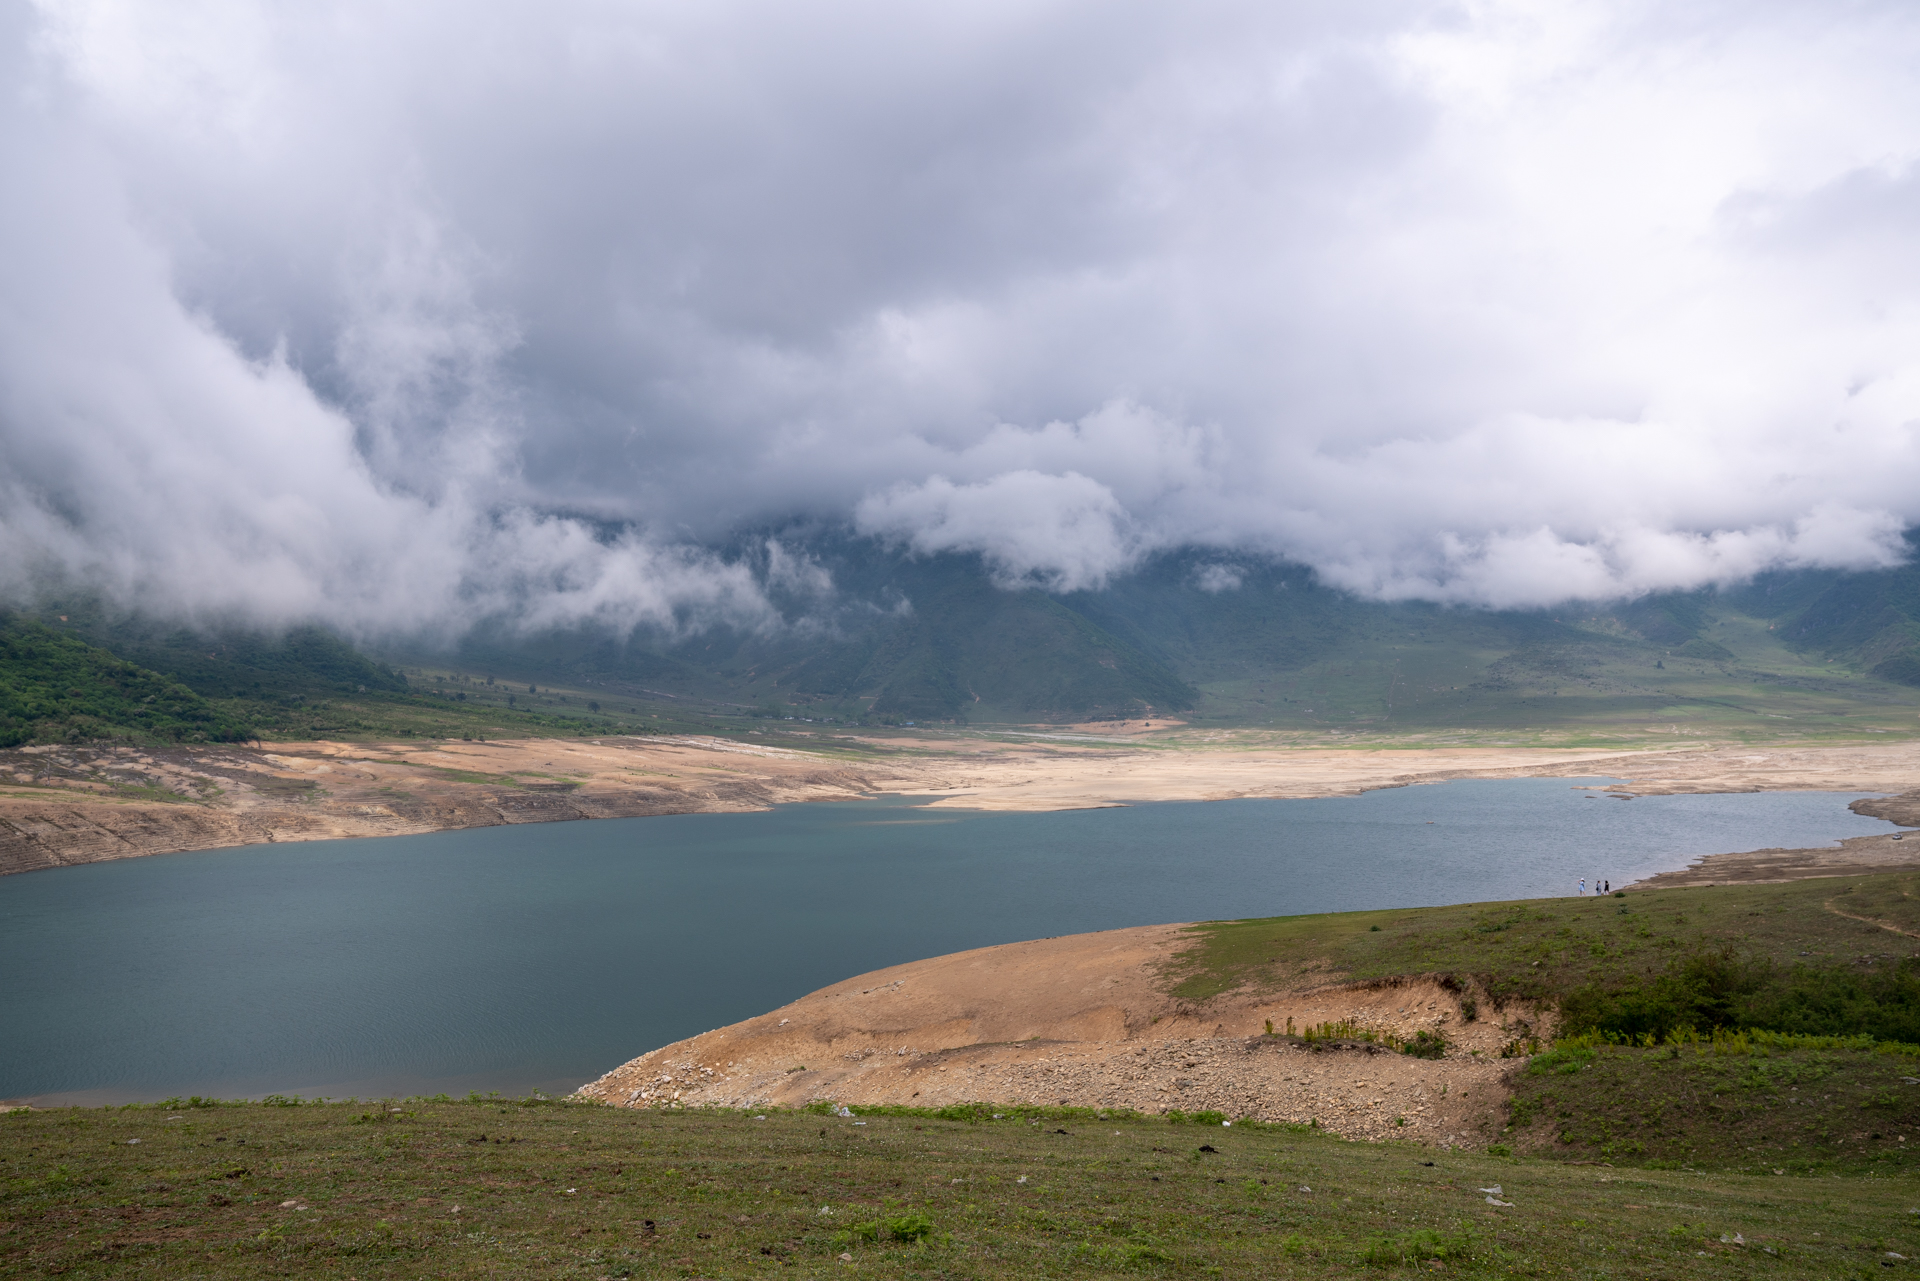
[1562,1060]
[1177,1117]
[1709,990]
[908,1228]
[1419,1248]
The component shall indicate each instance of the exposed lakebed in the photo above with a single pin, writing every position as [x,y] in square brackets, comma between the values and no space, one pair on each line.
[537,957]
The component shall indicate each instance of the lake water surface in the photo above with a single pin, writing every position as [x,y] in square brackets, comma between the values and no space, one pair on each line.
[537,957]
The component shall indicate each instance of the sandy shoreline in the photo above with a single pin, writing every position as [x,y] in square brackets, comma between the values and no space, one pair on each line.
[64,805]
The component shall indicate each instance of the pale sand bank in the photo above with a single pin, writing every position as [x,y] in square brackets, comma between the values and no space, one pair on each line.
[62,805]
[1067,776]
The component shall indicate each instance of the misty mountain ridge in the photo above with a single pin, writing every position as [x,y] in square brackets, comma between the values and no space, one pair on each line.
[871,633]
[1241,639]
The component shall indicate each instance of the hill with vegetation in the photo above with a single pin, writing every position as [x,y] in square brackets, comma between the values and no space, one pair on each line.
[1213,641]
[1250,642]
[1761,1027]
[58,688]
[77,673]
[906,640]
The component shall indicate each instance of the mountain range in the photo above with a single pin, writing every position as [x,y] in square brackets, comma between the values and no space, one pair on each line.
[908,639]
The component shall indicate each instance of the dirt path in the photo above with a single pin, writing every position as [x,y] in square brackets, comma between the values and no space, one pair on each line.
[1084,1020]
[1868,920]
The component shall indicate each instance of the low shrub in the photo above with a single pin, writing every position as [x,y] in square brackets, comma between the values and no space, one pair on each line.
[1421,1247]
[1708,990]
[909,1229]
[1178,1117]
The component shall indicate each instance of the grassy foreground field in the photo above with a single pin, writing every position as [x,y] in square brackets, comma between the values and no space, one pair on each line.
[502,1189]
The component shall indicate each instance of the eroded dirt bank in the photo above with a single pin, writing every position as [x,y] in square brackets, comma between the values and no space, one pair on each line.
[1085,1020]
[83,804]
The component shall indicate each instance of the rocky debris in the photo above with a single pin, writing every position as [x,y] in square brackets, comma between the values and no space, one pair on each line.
[1903,809]
[1356,1091]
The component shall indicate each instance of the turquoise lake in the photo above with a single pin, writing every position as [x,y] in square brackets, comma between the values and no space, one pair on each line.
[538,957]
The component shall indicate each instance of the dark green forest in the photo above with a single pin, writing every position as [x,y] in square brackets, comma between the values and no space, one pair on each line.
[58,688]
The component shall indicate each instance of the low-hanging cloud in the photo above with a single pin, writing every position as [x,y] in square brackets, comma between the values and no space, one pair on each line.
[405,316]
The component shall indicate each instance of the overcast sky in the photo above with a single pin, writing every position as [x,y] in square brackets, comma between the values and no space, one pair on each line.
[398,314]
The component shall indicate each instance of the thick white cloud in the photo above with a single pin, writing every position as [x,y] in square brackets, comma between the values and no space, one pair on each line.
[402,315]
[1061,532]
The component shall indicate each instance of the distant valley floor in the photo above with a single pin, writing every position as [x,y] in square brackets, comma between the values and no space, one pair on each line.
[62,805]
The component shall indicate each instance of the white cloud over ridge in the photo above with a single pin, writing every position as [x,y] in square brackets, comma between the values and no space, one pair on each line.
[405,315]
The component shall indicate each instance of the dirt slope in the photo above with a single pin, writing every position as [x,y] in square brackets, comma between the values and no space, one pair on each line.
[1084,1020]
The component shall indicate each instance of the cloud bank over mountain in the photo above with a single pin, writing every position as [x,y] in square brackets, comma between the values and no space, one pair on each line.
[405,315]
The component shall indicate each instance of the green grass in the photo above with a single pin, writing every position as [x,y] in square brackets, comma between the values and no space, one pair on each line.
[383,717]
[570,1190]
[1587,682]
[1802,1105]
[1543,949]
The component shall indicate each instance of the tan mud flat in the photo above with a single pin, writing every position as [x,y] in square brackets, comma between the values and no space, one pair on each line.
[1086,1021]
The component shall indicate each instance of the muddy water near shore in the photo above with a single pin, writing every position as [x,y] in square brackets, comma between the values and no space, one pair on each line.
[522,958]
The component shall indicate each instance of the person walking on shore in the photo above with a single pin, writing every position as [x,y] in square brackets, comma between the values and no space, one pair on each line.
[1583,885]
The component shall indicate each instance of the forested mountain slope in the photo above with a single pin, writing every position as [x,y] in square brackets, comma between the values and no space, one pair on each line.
[1194,635]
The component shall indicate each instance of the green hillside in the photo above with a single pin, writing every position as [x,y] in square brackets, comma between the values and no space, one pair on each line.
[57,688]
[1772,1028]
[66,683]
[1234,642]
[907,640]
[231,662]
[1871,621]
[1246,642]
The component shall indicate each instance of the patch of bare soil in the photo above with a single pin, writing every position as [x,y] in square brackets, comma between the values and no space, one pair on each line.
[1084,1021]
